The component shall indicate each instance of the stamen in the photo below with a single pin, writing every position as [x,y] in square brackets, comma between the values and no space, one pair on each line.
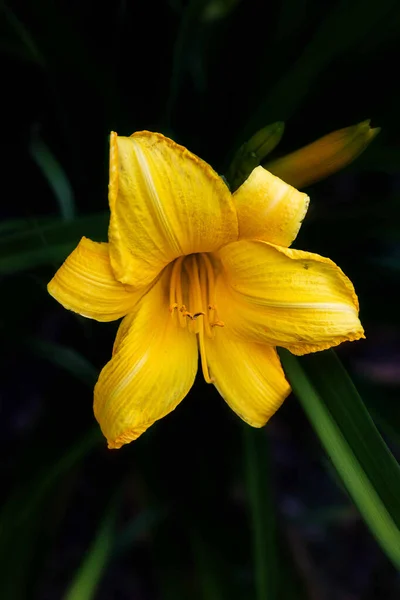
[175,291]
[198,290]
[210,275]
[211,288]
[204,290]
[203,357]
[192,269]
[217,324]
[192,316]
[175,284]
[175,277]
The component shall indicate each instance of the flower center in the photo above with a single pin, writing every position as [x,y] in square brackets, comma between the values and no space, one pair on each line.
[192,299]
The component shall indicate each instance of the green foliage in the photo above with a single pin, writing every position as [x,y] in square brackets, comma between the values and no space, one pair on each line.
[251,154]
[45,242]
[349,436]
[87,578]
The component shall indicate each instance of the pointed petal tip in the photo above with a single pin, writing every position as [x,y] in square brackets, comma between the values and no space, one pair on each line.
[125,438]
[301,350]
[86,284]
[306,303]
[365,127]
[152,369]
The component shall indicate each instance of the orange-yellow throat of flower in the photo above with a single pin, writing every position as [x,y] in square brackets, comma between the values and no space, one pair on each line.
[192,299]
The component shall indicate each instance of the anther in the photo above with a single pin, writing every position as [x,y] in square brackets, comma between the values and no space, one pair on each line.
[217,324]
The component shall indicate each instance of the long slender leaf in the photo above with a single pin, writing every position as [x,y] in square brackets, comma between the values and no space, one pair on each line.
[187,31]
[23,503]
[346,25]
[360,456]
[48,242]
[261,513]
[252,153]
[86,580]
[28,45]
[347,408]
[207,569]
[66,358]
[55,176]
[22,531]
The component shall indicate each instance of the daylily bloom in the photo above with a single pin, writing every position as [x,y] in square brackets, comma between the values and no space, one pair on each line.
[195,270]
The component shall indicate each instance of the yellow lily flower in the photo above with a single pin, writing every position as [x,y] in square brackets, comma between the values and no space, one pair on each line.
[195,270]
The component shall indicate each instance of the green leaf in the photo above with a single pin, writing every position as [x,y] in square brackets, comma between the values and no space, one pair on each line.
[345,26]
[29,48]
[25,500]
[252,153]
[66,358]
[55,176]
[86,580]
[145,521]
[187,32]
[48,242]
[22,518]
[12,226]
[362,459]
[208,570]
[219,9]
[262,513]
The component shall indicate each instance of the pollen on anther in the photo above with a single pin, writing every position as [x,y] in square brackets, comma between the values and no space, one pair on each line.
[217,324]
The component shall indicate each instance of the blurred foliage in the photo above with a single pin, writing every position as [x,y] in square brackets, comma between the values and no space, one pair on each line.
[198,505]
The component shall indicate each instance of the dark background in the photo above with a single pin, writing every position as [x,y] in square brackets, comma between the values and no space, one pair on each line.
[209,74]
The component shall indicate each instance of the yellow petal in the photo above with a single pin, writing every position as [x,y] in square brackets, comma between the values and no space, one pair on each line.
[165,202]
[324,156]
[284,297]
[85,283]
[248,376]
[153,367]
[269,209]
